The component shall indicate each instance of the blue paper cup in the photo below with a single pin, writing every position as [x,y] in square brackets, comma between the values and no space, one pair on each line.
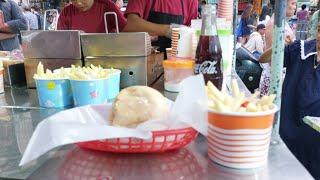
[113,84]
[87,92]
[54,93]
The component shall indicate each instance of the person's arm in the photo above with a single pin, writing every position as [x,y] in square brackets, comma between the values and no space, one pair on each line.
[18,21]
[266,56]
[269,32]
[136,14]
[259,45]
[137,24]
[308,15]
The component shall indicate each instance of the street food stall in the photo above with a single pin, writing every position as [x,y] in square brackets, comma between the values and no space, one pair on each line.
[93,116]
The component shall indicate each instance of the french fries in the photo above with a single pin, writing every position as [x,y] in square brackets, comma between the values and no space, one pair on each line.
[75,73]
[220,101]
[48,74]
[86,73]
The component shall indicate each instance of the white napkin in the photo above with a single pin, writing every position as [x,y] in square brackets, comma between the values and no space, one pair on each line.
[90,123]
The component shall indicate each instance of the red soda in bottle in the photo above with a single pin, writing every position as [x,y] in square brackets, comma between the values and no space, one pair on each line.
[209,54]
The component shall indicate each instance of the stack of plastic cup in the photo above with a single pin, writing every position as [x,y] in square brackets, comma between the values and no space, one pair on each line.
[225,9]
[174,41]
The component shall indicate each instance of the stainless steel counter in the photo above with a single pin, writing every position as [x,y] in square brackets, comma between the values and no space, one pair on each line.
[71,162]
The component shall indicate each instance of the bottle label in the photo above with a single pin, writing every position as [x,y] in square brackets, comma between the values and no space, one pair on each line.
[207,67]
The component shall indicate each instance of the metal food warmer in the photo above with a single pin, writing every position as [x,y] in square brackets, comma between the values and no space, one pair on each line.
[54,49]
[129,52]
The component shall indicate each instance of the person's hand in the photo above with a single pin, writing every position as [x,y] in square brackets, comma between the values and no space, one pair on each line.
[154,38]
[5,28]
[252,26]
[288,40]
[172,26]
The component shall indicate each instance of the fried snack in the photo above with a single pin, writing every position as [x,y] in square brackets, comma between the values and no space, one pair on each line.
[137,104]
[220,101]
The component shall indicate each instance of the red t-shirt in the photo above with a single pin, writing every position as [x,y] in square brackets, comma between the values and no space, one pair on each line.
[91,21]
[143,7]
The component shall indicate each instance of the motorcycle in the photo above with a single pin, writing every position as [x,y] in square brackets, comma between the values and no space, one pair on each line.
[248,68]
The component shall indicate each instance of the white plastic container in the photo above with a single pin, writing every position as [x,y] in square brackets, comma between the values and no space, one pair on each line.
[175,71]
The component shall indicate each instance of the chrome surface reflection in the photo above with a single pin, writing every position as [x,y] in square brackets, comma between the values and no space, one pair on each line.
[87,164]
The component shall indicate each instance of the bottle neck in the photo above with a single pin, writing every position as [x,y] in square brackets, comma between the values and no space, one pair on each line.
[209,27]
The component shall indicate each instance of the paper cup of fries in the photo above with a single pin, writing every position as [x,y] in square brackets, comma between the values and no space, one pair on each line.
[87,92]
[240,128]
[113,87]
[54,93]
[54,89]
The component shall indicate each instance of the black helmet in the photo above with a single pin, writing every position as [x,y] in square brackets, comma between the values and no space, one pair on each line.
[248,69]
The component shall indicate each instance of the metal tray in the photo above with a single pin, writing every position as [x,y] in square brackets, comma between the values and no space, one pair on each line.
[51,44]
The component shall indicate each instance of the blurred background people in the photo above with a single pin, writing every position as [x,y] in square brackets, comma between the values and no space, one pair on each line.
[88,16]
[256,42]
[245,25]
[265,15]
[31,18]
[119,3]
[36,10]
[303,14]
[201,3]
[13,22]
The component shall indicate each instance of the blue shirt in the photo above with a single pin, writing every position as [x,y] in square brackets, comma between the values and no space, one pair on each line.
[300,98]
[13,16]
[32,20]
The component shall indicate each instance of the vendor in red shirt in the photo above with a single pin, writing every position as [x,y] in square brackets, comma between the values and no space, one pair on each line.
[88,16]
[155,17]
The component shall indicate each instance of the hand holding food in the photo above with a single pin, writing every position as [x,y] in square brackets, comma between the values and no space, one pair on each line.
[237,102]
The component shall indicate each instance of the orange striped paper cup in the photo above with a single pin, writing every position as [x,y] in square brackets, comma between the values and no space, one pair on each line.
[240,140]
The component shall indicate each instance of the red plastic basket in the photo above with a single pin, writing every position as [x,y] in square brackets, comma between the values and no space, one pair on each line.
[161,141]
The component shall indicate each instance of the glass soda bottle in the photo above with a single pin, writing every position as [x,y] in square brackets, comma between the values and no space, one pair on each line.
[209,55]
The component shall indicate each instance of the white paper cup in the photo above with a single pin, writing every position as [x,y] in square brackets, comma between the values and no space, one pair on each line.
[184,49]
